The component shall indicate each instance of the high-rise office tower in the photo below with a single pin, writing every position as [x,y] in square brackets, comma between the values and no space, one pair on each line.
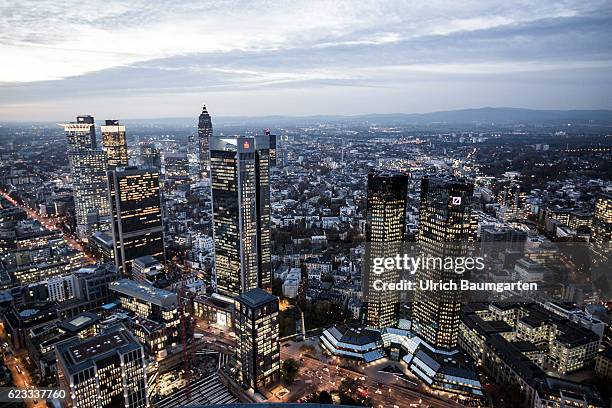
[446,226]
[114,144]
[193,157]
[602,219]
[88,169]
[150,157]
[205,132]
[241,213]
[136,215]
[107,370]
[512,201]
[90,191]
[385,229]
[81,135]
[272,147]
[257,339]
[600,248]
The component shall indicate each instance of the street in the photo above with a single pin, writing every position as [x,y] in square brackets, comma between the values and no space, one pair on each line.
[49,223]
[19,371]
[316,375]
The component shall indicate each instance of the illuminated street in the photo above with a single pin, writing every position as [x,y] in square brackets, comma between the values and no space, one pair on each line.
[21,376]
[51,224]
[316,375]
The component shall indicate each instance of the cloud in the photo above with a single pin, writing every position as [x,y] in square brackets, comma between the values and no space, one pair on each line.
[73,38]
[68,50]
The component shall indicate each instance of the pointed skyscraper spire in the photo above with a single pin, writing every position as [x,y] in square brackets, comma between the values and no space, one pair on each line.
[205,131]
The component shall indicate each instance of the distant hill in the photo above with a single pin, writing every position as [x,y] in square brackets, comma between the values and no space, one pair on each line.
[505,115]
[476,116]
[463,116]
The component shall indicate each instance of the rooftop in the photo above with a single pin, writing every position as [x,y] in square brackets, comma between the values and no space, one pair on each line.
[79,322]
[146,261]
[256,297]
[144,292]
[76,355]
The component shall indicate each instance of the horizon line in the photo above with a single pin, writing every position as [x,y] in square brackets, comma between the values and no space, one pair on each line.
[306,116]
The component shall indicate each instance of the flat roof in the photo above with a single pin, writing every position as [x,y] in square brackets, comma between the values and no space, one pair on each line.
[76,354]
[78,322]
[144,292]
[146,260]
[256,297]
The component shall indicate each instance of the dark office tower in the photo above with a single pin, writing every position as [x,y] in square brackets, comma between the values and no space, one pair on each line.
[386,223]
[257,339]
[205,132]
[104,371]
[150,157]
[88,169]
[136,215]
[272,147]
[445,227]
[114,144]
[241,213]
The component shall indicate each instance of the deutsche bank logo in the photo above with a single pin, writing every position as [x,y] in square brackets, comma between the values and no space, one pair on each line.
[456,200]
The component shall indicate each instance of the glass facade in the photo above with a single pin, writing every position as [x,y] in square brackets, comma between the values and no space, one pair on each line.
[104,371]
[241,213]
[257,336]
[114,144]
[385,229]
[88,168]
[137,218]
[205,132]
[445,224]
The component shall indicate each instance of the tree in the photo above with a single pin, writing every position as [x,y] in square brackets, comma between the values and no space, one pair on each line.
[277,287]
[289,370]
[287,325]
[325,398]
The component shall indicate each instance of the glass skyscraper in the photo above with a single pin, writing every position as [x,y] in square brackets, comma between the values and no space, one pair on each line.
[272,147]
[114,144]
[446,226]
[88,168]
[205,132]
[257,339]
[137,227]
[241,213]
[385,229]
[600,247]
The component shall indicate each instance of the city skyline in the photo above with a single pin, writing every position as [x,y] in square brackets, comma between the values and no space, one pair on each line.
[276,244]
[407,57]
[325,202]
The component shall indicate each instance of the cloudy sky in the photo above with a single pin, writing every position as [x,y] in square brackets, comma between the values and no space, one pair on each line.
[156,58]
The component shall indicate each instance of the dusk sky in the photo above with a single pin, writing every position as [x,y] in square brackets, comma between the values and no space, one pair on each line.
[154,58]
